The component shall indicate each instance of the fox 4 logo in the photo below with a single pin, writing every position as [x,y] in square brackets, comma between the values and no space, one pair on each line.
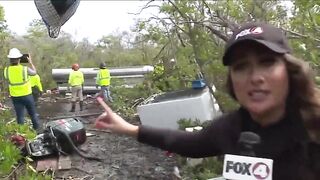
[259,170]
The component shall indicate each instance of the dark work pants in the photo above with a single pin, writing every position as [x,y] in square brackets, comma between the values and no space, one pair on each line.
[27,102]
[35,94]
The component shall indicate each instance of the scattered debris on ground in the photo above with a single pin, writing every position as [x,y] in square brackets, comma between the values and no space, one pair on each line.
[123,157]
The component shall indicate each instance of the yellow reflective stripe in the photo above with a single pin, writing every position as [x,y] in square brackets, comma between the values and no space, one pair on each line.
[7,73]
[24,74]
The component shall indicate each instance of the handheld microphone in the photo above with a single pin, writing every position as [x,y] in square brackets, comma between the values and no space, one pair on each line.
[246,143]
[246,165]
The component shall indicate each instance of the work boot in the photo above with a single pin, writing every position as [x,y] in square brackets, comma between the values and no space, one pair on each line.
[73,107]
[81,105]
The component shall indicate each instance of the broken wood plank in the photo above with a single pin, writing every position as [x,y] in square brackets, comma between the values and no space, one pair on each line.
[47,163]
[54,163]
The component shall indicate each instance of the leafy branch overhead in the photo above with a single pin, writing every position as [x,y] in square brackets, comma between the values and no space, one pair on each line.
[196,31]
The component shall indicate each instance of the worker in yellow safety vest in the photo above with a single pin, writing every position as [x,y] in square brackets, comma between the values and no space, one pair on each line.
[103,80]
[36,87]
[20,90]
[76,81]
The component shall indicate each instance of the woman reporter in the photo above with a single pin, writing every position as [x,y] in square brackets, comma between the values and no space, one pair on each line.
[278,100]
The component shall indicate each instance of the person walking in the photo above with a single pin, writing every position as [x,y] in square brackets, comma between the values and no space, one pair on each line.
[36,87]
[76,81]
[18,78]
[103,80]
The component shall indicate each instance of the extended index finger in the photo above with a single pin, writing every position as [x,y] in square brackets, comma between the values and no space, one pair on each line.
[104,105]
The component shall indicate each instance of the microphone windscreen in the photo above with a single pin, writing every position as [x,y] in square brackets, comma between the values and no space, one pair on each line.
[248,137]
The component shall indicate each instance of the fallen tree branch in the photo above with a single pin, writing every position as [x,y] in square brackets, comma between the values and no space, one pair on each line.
[217,33]
[161,50]
[184,16]
[300,35]
[12,172]
[146,7]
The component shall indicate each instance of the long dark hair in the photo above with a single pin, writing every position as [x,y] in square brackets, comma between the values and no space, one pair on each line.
[303,93]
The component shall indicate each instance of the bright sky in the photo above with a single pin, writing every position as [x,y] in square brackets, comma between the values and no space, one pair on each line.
[92,20]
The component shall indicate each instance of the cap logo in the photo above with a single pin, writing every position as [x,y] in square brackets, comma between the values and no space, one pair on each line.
[253,30]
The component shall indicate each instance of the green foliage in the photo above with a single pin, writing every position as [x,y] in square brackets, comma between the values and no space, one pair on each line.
[209,168]
[197,31]
[126,99]
[4,37]
[304,30]
[10,154]
[184,123]
[191,32]
[225,101]
[37,29]
[30,173]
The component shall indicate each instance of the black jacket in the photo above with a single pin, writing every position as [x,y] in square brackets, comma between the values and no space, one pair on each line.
[286,142]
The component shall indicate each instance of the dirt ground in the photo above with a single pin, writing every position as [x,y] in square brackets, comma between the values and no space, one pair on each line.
[123,157]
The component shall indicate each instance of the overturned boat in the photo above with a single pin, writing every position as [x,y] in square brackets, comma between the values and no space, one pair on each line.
[166,109]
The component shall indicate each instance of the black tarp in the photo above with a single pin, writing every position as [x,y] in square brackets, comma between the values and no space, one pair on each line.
[55,13]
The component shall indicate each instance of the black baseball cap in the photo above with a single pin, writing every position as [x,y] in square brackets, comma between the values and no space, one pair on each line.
[265,34]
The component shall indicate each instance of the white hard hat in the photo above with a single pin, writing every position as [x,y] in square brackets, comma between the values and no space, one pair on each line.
[14,53]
